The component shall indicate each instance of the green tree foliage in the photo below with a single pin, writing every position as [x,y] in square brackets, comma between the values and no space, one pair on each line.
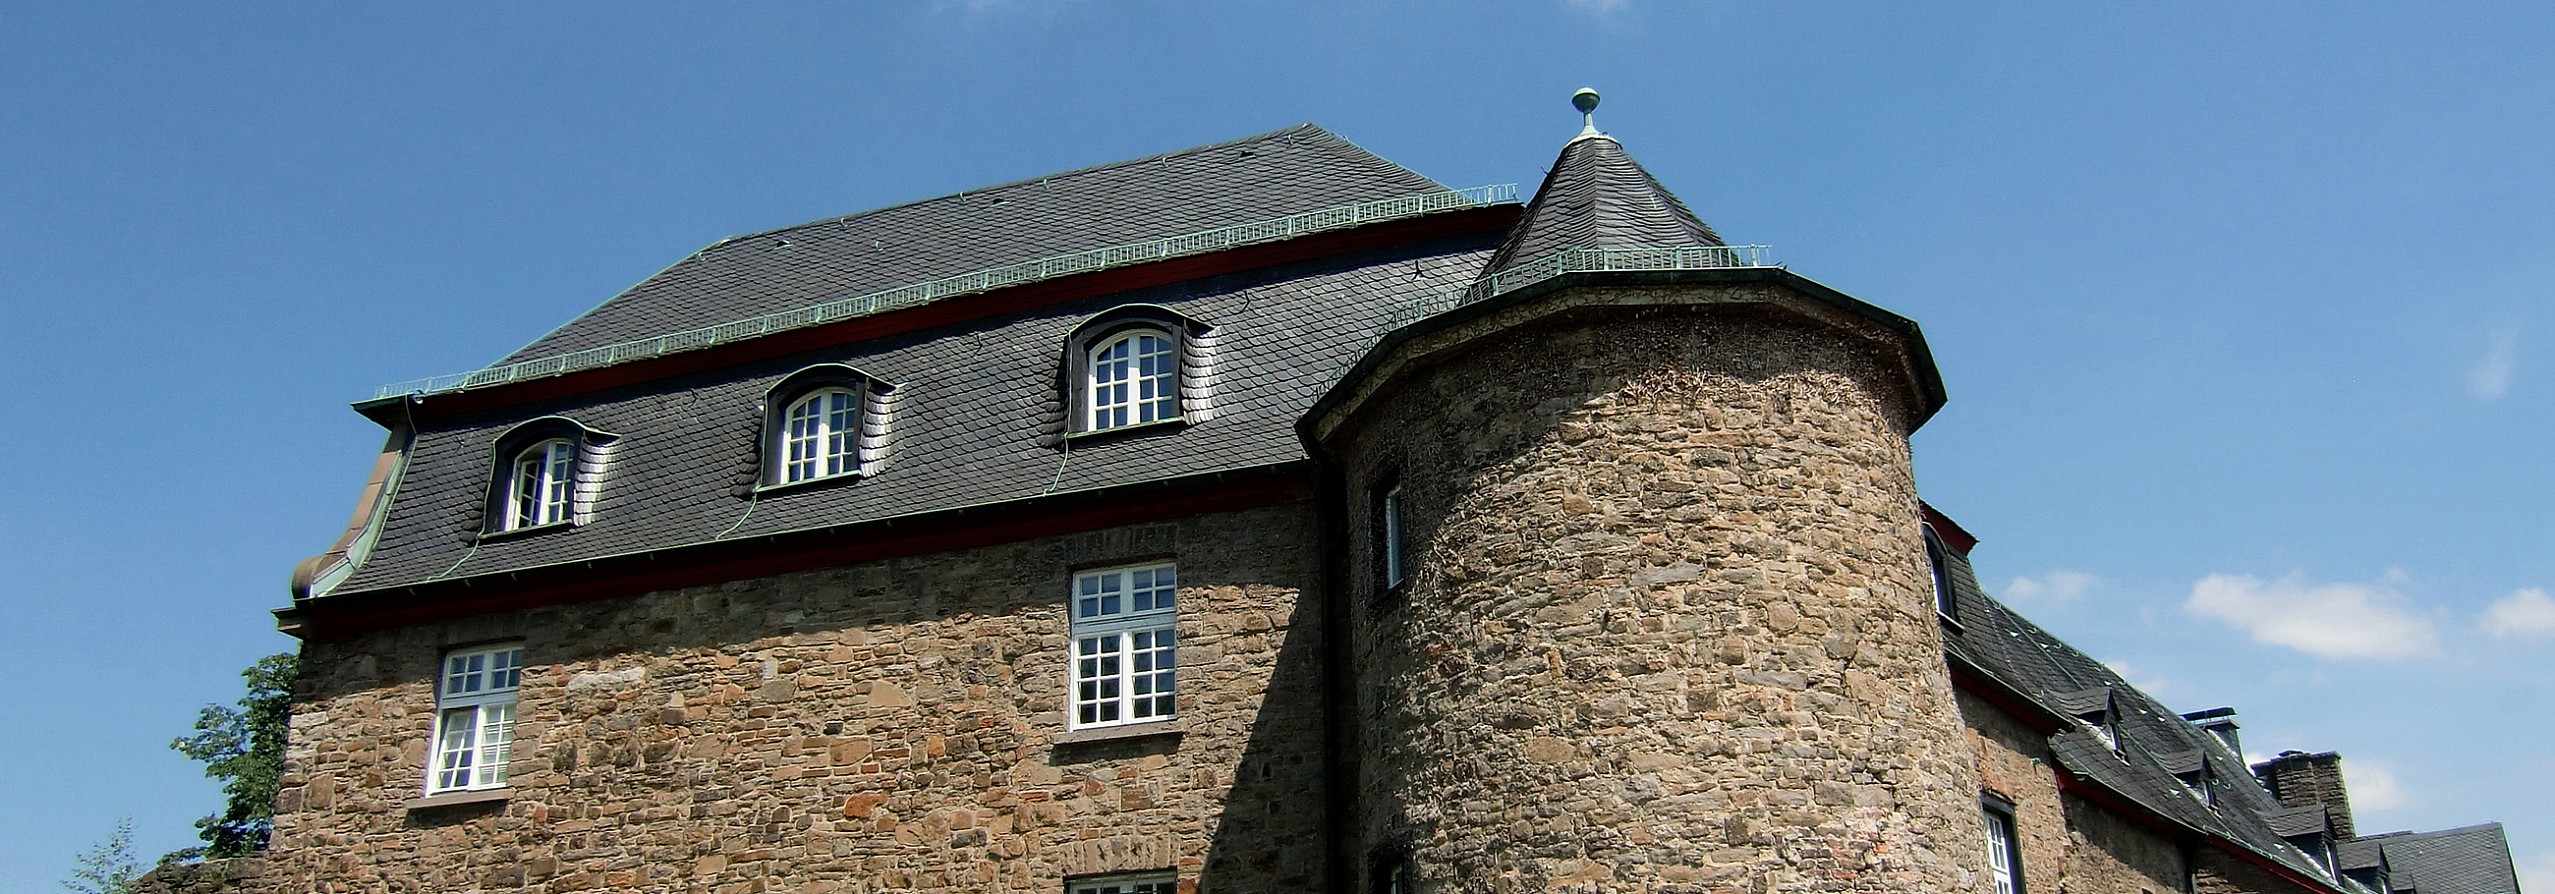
[244,747]
[108,868]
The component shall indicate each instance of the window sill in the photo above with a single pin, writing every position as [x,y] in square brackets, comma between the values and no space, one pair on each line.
[1129,429]
[526,531]
[768,488]
[456,799]
[1151,729]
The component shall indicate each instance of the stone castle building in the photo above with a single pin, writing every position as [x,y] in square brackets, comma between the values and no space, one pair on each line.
[1257,517]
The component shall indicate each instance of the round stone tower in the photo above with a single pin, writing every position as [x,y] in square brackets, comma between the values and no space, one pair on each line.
[1636,590]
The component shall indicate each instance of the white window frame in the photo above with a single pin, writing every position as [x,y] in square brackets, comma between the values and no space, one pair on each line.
[2100,723]
[2004,851]
[1161,882]
[1128,382]
[1937,562]
[1123,649]
[474,731]
[541,485]
[819,436]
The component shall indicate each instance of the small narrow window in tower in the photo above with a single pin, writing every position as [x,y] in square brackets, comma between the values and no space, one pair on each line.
[474,718]
[1391,871]
[540,485]
[2004,851]
[1124,663]
[1392,552]
[1944,603]
[1132,379]
[820,435]
[1128,883]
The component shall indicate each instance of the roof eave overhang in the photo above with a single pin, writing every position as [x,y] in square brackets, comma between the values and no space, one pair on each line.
[1385,359]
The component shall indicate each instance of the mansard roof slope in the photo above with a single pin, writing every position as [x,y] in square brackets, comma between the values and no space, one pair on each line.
[976,413]
[1299,169]
[2157,746]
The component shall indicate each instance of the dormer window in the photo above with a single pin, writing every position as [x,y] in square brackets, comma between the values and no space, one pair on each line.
[539,489]
[1134,379]
[825,422]
[821,435]
[2100,723]
[548,472]
[1132,367]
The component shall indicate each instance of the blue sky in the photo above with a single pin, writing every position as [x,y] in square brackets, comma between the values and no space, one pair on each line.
[2243,308]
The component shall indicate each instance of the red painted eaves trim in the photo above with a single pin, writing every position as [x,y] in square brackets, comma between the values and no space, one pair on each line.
[1468,222]
[2004,699]
[352,614]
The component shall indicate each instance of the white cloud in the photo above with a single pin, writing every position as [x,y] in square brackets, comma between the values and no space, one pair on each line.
[2524,613]
[2327,620]
[2492,375]
[2058,587]
[2372,785]
[2148,684]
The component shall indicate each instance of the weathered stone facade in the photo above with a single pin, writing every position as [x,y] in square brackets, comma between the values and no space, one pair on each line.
[1670,628]
[881,727]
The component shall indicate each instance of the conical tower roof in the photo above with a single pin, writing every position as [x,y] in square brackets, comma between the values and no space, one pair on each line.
[1598,197]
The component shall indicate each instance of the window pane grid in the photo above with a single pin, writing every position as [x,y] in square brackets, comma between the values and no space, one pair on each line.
[1133,379]
[541,486]
[821,436]
[1125,658]
[475,718]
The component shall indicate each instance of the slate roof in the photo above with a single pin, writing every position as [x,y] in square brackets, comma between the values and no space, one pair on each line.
[2468,860]
[1597,196]
[2158,748]
[975,408]
[1299,169]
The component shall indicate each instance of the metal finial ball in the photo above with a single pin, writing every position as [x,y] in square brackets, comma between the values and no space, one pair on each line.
[1585,100]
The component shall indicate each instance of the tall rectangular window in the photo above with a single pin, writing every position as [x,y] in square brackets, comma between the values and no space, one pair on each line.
[1391,551]
[1123,645]
[1944,603]
[2004,852]
[474,718]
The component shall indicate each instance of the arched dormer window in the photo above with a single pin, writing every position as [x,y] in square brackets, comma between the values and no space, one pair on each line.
[548,472]
[539,489]
[1132,379]
[823,422]
[1134,366]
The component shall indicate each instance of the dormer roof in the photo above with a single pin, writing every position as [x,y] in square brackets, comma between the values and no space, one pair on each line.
[1597,196]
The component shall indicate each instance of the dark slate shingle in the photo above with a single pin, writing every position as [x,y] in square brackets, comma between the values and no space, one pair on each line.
[1303,168]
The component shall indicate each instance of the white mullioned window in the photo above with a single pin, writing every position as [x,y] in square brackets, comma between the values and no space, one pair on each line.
[1133,379]
[474,718]
[2004,855]
[820,435]
[542,485]
[1137,883]
[1124,661]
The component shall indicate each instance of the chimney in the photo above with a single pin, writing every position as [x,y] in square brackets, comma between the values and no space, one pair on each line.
[2219,722]
[2299,779]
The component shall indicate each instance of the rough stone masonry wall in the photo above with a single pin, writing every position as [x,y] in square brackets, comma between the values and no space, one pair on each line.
[880,727]
[1671,629]
[2068,844]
